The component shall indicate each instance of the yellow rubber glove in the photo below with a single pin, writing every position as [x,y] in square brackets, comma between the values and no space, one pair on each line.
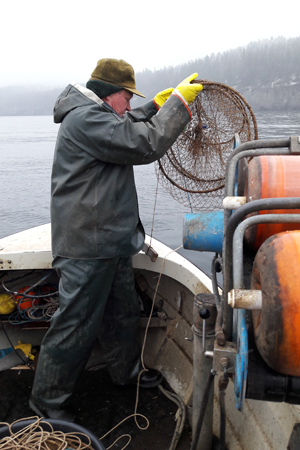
[187,91]
[162,97]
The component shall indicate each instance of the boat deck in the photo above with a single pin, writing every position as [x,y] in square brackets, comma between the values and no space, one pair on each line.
[100,405]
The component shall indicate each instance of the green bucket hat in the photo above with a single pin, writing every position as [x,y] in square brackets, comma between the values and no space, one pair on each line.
[116,72]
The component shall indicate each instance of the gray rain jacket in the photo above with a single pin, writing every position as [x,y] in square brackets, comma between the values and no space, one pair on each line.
[94,208]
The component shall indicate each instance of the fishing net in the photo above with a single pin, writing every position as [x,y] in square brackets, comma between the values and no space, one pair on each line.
[193,169]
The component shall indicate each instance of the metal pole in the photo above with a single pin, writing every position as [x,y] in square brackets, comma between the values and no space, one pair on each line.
[202,368]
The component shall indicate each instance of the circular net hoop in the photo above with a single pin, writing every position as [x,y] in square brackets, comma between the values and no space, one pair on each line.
[193,169]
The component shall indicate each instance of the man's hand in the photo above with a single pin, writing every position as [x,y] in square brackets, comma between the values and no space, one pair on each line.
[162,97]
[187,91]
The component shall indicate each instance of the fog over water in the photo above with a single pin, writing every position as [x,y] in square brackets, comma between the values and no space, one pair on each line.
[59,41]
[26,152]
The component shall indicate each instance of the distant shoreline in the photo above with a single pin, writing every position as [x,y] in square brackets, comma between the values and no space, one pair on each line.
[266,73]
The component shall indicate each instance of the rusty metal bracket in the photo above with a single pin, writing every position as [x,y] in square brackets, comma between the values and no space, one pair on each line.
[149,251]
[228,351]
[295,145]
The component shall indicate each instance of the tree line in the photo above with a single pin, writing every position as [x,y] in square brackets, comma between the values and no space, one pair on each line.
[264,64]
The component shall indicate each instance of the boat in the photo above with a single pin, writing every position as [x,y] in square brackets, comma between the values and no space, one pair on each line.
[212,344]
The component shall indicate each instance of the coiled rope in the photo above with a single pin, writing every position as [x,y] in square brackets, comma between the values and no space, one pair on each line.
[35,437]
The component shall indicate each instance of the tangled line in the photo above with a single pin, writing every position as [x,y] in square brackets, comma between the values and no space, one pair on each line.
[35,436]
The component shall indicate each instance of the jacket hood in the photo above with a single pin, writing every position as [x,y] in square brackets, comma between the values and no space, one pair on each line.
[72,97]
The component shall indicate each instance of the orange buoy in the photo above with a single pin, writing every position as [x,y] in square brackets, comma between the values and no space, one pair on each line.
[271,176]
[26,302]
[276,326]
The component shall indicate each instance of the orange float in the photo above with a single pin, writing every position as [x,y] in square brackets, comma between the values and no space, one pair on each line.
[26,302]
[277,326]
[271,176]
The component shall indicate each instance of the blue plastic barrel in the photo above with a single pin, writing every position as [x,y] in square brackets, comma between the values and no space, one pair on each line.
[203,231]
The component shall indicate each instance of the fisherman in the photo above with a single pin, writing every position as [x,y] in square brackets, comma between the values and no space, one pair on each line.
[96,226]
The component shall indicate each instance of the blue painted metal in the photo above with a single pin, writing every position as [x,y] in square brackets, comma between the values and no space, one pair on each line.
[241,362]
[5,351]
[239,333]
[236,143]
[203,231]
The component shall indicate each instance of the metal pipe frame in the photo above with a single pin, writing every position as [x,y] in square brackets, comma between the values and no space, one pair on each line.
[203,394]
[251,146]
[238,237]
[233,222]
[231,168]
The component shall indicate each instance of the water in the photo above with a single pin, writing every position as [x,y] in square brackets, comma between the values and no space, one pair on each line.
[26,153]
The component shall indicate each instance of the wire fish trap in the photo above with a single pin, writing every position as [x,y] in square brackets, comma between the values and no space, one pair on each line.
[193,169]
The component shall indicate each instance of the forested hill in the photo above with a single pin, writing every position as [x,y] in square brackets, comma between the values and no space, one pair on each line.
[266,73]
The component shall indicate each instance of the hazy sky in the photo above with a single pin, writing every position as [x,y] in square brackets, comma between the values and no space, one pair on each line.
[55,42]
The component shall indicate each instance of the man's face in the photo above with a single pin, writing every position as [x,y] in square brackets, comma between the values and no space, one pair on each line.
[120,101]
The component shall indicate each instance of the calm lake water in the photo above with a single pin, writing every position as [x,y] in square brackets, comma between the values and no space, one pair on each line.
[26,153]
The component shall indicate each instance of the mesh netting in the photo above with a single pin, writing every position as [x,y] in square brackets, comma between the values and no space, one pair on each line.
[193,169]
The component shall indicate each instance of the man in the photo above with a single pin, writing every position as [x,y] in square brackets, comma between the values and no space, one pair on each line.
[96,227]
